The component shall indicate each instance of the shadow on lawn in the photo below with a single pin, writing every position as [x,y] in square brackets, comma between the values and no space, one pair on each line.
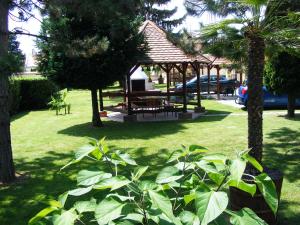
[137,130]
[283,152]
[286,216]
[22,200]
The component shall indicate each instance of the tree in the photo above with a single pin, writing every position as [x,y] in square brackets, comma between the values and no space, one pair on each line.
[83,50]
[150,10]
[258,29]
[282,76]
[7,171]
[16,56]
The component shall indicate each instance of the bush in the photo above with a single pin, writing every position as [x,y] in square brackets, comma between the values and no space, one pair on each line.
[14,96]
[30,93]
[192,188]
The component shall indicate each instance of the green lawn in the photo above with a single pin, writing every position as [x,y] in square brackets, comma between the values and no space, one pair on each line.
[43,142]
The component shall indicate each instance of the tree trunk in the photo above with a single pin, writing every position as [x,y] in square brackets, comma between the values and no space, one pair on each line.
[291,105]
[96,117]
[7,171]
[255,89]
[101,100]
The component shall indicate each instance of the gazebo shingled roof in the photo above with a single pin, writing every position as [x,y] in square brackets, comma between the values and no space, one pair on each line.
[162,50]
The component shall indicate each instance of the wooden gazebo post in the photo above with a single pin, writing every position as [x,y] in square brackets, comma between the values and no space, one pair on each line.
[208,79]
[218,81]
[197,68]
[167,69]
[130,116]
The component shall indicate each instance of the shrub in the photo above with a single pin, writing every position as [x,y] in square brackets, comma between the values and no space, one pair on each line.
[30,93]
[191,189]
[36,93]
[14,96]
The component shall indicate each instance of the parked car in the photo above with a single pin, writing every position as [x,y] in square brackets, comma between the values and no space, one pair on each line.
[270,100]
[226,86]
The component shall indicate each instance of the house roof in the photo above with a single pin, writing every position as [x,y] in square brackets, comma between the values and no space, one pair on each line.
[161,49]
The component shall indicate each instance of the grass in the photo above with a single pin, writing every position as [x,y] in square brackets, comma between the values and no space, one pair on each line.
[43,143]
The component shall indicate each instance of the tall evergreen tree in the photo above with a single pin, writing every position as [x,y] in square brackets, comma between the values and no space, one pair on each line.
[152,10]
[16,56]
[83,50]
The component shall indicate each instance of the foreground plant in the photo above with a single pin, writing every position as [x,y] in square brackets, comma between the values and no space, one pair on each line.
[190,190]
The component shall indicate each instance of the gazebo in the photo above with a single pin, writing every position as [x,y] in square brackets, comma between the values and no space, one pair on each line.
[163,53]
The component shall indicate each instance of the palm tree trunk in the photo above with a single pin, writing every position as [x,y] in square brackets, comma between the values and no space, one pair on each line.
[291,105]
[96,117]
[7,171]
[255,89]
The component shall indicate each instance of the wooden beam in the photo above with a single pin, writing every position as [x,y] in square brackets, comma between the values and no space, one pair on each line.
[197,68]
[218,81]
[184,69]
[208,79]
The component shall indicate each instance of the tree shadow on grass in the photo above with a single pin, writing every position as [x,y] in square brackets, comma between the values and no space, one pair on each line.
[22,200]
[286,216]
[283,152]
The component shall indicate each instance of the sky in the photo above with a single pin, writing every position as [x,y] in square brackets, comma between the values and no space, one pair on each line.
[27,44]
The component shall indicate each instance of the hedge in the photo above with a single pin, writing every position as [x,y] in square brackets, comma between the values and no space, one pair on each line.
[30,93]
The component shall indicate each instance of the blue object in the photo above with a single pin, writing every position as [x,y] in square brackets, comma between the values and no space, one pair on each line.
[270,100]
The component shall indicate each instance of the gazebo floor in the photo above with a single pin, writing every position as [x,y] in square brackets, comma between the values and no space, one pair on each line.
[149,117]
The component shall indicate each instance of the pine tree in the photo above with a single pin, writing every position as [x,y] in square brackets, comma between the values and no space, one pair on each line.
[152,10]
[84,50]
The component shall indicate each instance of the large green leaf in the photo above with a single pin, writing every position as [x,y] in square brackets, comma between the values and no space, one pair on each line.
[42,214]
[126,158]
[168,174]
[66,218]
[87,178]
[245,217]
[113,183]
[85,206]
[80,154]
[175,156]
[83,152]
[189,218]
[80,191]
[164,204]
[208,168]
[210,205]
[237,168]
[215,158]
[268,190]
[197,149]
[108,210]
[253,162]
[134,217]
[138,172]
[250,188]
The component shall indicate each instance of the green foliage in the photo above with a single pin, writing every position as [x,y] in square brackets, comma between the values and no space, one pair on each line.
[190,190]
[84,50]
[14,61]
[153,10]
[14,96]
[30,93]
[282,73]
[59,102]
